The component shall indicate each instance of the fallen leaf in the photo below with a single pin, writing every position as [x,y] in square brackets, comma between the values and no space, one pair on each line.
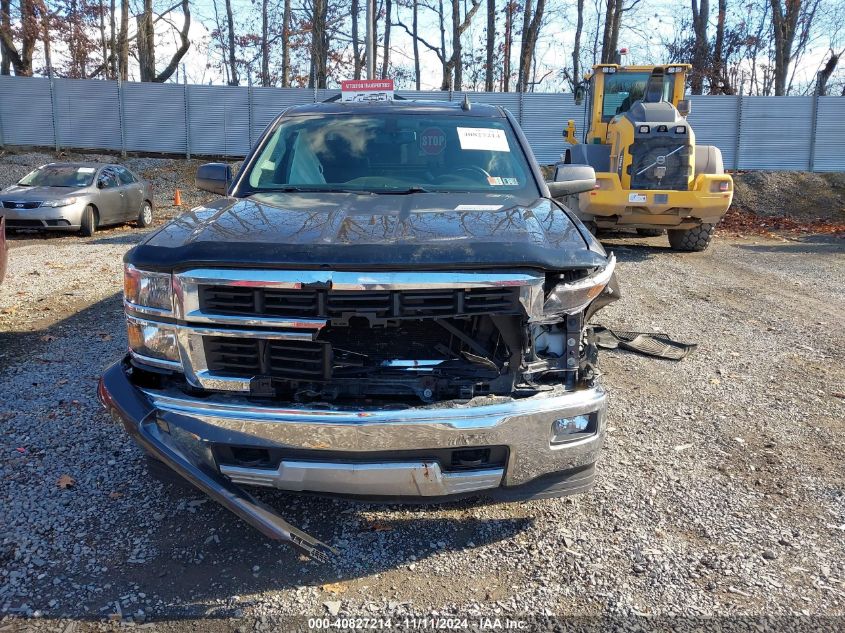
[63,381]
[838,394]
[105,336]
[683,447]
[115,495]
[379,527]
[47,338]
[334,587]
[66,481]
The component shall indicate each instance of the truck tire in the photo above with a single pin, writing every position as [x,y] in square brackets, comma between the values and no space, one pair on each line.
[89,221]
[649,232]
[695,239]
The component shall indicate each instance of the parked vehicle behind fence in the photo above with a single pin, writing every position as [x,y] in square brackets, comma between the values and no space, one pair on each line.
[77,197]
[386,304]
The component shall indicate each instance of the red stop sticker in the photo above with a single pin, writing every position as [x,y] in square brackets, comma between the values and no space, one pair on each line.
[432,140]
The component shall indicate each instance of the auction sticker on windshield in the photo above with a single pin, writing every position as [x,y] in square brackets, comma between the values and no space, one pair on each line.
[483,138]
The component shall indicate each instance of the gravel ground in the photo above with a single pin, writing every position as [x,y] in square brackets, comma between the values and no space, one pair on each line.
[720,491]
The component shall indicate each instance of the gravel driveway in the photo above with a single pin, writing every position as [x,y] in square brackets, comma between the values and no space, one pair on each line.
[720,489]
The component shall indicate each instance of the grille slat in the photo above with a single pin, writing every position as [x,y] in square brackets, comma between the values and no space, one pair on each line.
[262,357]
[321,304]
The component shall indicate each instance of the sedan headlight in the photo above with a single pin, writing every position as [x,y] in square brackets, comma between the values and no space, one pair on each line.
[148,289]
[152,340]
[59,203]
[571,298]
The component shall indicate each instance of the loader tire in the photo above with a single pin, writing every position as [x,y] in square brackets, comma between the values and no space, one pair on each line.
[695,239]
[649,232]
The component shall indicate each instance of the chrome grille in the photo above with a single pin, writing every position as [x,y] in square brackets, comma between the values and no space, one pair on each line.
[335,304]
[236,325]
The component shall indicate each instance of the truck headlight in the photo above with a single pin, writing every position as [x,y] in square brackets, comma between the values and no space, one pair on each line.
[148,289]
[573,297]
[153,340]
[64,202]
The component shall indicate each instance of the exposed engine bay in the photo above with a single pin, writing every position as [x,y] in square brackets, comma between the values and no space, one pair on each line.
[415,346]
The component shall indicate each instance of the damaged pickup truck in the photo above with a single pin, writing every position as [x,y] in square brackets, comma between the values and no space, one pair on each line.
[386,304]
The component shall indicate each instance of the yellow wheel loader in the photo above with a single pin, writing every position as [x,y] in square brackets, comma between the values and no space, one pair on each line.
[650,174]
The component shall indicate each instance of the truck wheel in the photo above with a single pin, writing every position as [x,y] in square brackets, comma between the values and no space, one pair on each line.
[695,239]
[649,232]
[89,221]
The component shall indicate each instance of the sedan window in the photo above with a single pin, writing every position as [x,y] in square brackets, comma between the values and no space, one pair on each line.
[125,175]
[107,180]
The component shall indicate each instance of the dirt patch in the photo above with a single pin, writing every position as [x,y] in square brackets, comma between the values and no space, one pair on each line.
[802,196]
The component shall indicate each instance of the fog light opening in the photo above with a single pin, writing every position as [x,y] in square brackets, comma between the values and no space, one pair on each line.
[571,429]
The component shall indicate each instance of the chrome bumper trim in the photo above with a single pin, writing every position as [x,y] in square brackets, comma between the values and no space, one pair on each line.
[392,479]
[523,425]
[186,288]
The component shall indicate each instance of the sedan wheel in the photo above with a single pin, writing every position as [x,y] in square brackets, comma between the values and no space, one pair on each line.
[89,221]
[145,218]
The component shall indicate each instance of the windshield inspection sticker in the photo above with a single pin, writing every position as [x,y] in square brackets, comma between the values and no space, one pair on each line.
[85,170]
[636,197]
[483,138]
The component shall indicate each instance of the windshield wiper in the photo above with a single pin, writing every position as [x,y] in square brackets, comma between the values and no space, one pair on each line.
[299,189]
[402,192]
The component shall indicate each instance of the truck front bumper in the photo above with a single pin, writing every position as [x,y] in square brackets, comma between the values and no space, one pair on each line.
[391,454]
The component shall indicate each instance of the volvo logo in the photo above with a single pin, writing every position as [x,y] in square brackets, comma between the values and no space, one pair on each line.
[661,160]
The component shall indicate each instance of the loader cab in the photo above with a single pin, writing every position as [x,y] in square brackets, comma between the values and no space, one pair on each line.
[612,90]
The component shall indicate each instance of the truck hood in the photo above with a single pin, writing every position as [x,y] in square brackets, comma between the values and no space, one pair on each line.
[367,231]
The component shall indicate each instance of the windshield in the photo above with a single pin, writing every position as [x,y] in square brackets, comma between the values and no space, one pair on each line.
[393,153]
[622,89]
[59,176]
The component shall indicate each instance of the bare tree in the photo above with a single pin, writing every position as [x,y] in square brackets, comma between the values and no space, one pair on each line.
[286,18]
[19,60]
[319,44]
[491,44]
[233,64]
[614,11]
[576,46]
[265,43]
[146,43]
[415,33]
[531,20]
[385,60]
[123,41]
[701,47]
[510,8]
[823,76]
[357,64]
[786,20]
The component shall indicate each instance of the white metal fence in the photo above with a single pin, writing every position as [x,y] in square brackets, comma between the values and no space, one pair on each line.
[771,133]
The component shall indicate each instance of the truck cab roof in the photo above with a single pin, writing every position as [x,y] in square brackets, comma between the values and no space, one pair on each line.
[405,106]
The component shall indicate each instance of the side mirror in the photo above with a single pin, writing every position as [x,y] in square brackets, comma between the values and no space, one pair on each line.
[572,179]
[684,107]
[214,178]
[579,94]
[102,183]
